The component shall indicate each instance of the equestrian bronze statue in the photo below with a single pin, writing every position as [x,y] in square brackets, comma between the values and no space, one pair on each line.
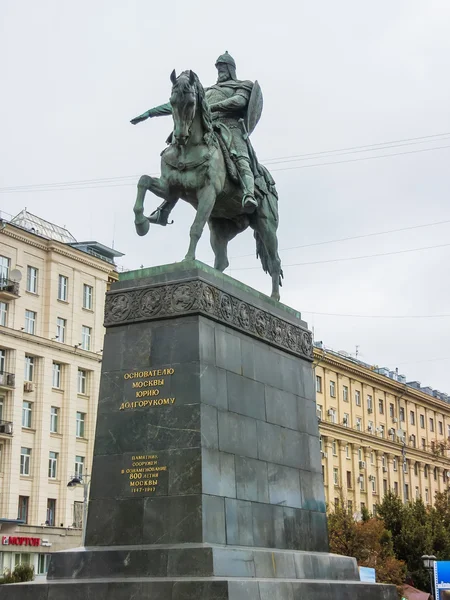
[211,164]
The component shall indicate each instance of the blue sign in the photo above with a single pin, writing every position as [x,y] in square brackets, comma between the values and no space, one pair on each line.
[367,574]
[442,579]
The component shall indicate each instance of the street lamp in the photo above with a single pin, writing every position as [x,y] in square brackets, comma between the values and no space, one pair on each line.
[428,563]
[83,480]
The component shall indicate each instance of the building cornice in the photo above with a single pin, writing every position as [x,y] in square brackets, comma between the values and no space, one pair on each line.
[51,344]
[45,245]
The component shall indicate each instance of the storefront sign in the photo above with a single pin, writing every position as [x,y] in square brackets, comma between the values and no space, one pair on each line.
[12,540]
[442,579]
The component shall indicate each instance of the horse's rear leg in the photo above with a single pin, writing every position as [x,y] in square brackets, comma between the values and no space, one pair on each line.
[206,198]
[222,231]
[268,233]
[152,184]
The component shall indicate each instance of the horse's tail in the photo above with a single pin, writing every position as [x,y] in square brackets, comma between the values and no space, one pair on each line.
[263,255]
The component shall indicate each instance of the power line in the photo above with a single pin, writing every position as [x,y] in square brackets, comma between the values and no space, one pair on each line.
[333,260]
[109,181]
[353,237]
[423,137]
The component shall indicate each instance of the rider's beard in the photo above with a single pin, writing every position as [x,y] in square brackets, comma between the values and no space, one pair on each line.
[222,77]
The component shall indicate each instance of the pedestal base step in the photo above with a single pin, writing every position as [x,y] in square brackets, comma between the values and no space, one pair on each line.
[195,589]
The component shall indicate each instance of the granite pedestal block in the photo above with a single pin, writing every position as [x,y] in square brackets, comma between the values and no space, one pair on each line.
[206,479]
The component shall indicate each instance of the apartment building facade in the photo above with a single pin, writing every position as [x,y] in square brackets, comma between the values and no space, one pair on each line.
[378,433]
[52,291]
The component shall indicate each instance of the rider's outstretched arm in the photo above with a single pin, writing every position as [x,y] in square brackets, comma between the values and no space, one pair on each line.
[158,111]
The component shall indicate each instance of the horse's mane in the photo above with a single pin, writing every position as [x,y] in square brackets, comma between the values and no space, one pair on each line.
[206,116]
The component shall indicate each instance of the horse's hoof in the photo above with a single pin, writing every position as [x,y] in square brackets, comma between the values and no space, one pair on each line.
[188,258]
[142,227]
[276,296]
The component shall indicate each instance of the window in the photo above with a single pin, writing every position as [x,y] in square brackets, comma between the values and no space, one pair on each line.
[349,480]
[335,476]
[32,280]
[56,381]
[30,322]
[431,424]
[394,463]
[320,443]
[350,506]
[61,330]
[26,414]
[332,389]
[336,503]
[374,484]
[1,419]
[54,417]
[346,420]
[2,361]
[361,483]
[79,466]
[43,564]
[78,515]
[29,368]
[369,403]
[358,398]
[372,458]
[396,488]
[358,424]
[435,473]
[448,431]
[381,406]
[427,498]
[391,410]
[3,314]
[422,421]
[4,269]
[412,417]
[318,384]
[88,292]
[416,468]
[385,486]
[332,414]
[370,427]
[345,393]
[441,428]
[80,424]
[381,430]
[412,439]
[383,460]
[334,448]
[85,337]
[25,456]
[424,444]
[63,288]
[347,451]
[52,465]
[402,414]
[82,381]
[406,491]
[319,412]
[425,471]
[51,512]
[22,512]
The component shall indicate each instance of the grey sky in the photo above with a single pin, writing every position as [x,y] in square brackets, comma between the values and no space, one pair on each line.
[334,75]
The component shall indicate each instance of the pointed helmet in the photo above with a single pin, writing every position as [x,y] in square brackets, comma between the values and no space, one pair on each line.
[228,60]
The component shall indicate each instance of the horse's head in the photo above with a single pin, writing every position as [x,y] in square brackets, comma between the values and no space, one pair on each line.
[184,104]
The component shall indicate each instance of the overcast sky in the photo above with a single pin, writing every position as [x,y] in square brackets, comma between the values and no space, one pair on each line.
[334,75]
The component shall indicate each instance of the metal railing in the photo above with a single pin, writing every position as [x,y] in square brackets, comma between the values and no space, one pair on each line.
[6,427]
[7,379]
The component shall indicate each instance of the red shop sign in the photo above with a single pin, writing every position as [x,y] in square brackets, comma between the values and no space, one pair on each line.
[11,540]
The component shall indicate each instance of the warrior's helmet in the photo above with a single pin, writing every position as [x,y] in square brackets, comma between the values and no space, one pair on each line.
[228,60]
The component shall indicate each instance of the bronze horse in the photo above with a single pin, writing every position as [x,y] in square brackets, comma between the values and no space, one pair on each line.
[194,168]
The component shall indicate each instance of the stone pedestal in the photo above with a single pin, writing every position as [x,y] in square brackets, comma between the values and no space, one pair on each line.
[206,479]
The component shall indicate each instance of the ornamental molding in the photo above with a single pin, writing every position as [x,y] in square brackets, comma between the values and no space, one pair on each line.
[198,297]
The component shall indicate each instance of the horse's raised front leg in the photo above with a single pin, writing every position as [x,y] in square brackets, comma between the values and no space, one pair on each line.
[206,199]
[152,184]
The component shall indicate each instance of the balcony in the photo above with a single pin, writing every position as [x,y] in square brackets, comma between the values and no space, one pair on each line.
[6,429]
[7,380]
[9,290]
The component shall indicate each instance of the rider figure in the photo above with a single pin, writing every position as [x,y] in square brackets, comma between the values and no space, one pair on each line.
[228,100]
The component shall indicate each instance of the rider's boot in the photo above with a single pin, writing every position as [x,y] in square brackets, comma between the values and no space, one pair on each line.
[249,202]
[161,215]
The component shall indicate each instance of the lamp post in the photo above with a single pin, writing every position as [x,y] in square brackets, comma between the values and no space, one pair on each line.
[85,481]
[428,563]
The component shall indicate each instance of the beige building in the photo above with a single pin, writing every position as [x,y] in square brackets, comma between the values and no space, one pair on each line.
[378,433]
[52,293]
